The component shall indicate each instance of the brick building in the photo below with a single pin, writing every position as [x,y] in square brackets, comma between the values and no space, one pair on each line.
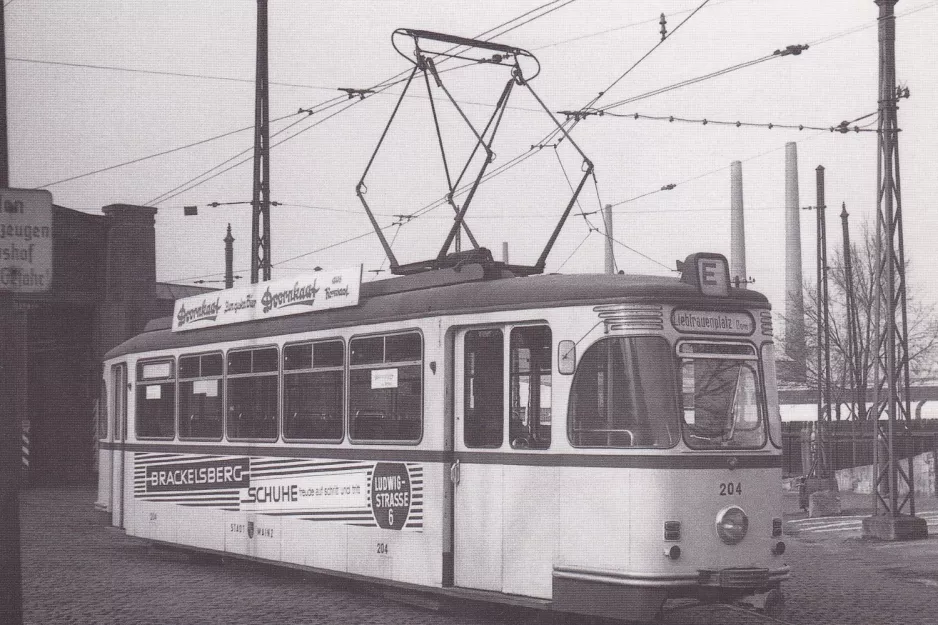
[104,290]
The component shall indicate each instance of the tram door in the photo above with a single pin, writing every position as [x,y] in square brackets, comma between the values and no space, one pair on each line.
[479,365]
[119,427]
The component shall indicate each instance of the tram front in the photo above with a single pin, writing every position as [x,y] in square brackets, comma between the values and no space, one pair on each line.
[677,488]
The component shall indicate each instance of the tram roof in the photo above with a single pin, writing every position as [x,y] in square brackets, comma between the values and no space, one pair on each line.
[413,297]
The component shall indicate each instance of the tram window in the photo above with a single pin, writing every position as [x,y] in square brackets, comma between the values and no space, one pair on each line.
[721,403]
[313,391]
[200,397]
[484,389]
[530,387]
[156,400]
[252,394]
[386,395]
[771,394]
[623,395]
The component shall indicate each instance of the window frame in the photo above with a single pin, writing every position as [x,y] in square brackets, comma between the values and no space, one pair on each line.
[763,358]
[676,371]
[275,374]
[222,393]
[500,328]
[141,381]
[755,364]
[343,369]
[349,367]
[507,374]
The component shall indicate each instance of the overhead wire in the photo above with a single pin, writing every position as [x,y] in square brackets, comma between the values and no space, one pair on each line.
[386,83]
[576,249]
[378,88]
[524,156]
[623,27]
[842,128]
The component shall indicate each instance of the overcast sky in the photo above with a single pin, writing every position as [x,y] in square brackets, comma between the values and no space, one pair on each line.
[67,120]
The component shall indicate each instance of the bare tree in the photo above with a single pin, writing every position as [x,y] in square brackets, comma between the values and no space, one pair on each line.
[922,327]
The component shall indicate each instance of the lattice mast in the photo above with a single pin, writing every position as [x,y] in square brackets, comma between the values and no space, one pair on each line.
[260,202]
[891,366]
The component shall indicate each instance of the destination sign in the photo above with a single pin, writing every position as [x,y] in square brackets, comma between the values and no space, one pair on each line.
[276,298]
[712,322]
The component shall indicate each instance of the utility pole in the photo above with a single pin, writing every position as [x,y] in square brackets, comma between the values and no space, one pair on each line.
[260,203]
[893,518]
[822,468]
[11,580]
[854,367]
[610,255]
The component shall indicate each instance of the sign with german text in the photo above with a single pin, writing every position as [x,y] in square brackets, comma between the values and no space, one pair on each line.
[276,298]
[26,240]
[712,322]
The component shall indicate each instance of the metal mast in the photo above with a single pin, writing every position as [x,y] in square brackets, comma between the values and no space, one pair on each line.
[260,203]
[857,388]
[821,467]
[893,516]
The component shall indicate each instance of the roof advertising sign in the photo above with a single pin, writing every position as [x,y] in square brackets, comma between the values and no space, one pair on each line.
[276,298]
[25,240]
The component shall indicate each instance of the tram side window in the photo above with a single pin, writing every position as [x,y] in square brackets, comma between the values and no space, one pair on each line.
[252,394]
[484,388]
[156,400]
[386,388]
[530,387]
[623,395]
[313,391]
[200,397]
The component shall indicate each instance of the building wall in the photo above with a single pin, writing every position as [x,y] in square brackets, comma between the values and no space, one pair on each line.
[103,292]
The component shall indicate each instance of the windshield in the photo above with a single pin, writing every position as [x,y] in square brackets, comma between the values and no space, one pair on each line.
[623,395]
[721,402]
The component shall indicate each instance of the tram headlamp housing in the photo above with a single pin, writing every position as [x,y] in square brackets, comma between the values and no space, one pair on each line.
[732,525]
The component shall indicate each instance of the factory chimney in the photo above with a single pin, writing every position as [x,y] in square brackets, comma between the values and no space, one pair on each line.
[737,226]
[794,295]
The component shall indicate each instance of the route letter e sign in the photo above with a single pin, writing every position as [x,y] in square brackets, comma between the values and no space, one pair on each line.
[25,240]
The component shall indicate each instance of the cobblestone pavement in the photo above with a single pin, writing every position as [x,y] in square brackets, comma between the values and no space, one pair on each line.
[76,570]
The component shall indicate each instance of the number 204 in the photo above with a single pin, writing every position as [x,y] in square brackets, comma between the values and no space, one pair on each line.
[731,488]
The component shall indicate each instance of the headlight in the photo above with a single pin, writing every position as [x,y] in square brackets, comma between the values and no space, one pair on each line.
[732,524]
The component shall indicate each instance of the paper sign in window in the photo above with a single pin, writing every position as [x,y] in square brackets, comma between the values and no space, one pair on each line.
[384,378]
[209,388]
[157,370]
[154,391]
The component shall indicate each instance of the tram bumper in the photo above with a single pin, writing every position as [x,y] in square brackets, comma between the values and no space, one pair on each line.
[640,597]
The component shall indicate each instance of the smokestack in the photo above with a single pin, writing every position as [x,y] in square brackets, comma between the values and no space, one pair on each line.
[737,226]
[794,295]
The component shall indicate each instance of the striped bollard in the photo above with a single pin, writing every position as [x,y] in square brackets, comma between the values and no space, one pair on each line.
[25,450]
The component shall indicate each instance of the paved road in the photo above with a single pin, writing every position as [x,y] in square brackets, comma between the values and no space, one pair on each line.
[78,571]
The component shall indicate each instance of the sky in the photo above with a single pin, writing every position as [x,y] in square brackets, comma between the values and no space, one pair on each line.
[96,84]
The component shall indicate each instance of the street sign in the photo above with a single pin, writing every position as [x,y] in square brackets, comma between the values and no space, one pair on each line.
[25,240]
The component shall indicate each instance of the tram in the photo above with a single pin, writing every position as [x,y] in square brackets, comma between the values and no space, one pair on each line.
[595,444]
